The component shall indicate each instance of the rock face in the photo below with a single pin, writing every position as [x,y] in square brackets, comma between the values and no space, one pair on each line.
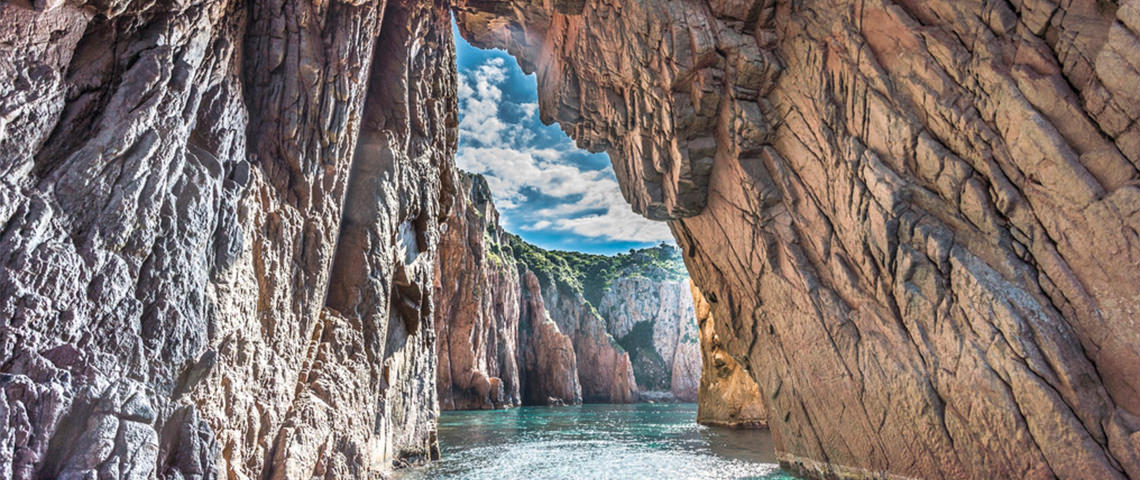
[655,322]
[604,367]
[478,301]
[915,222]
[219,224]
[729,396]
[515,327]
[549,362]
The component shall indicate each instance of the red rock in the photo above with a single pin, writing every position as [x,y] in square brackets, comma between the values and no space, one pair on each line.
[549,365]
[477,295]
[914,221]
[729,396]
[220,222]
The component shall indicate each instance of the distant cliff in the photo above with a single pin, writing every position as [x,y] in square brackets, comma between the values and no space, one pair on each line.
[517,324]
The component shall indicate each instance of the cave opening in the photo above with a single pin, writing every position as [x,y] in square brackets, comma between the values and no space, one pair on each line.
[553,296]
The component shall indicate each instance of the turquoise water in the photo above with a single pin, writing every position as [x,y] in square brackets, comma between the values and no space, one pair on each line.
[639,441]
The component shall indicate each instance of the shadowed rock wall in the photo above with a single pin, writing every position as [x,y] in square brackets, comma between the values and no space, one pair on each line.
[915,221]
[218,231]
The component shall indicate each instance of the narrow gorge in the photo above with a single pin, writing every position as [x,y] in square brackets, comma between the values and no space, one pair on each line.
[517,324]
[234,241]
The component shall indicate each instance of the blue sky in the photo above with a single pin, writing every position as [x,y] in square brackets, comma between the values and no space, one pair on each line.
[547,190]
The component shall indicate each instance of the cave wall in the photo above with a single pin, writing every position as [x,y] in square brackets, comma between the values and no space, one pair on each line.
[218,234]
[728,395]
[917,220]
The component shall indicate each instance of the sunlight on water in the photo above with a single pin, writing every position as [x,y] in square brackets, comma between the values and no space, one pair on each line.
[640,441]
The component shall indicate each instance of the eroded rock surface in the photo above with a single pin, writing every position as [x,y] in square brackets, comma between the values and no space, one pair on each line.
[915,222]
[219,223]
[654,321]
[515,326]
[549,365]
[729,396]
[478,302]
[604,367]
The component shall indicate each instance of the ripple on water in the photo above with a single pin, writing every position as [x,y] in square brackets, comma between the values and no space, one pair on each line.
[596,442]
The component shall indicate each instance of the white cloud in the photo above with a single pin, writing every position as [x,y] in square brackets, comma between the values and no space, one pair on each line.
[539,225]
[591,206]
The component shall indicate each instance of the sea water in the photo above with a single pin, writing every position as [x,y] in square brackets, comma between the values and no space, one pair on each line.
[636,441]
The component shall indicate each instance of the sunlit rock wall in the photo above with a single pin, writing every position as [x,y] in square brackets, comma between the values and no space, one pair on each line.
[219,222]
[729,395]
[915,221]
[478,302]
[654,320]
[503,338]
[548,360]
[604,368]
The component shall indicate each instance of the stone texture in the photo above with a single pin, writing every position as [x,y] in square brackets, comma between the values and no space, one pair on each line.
[915,222]
[604,368]
[478,307]
[218,232]
[654,321]
[549,365]
[729,396]
[506,339]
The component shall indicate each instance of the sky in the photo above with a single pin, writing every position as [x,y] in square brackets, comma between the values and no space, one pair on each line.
[547,190]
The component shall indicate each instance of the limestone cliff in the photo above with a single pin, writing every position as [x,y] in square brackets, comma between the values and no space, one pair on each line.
[635,335]
[917,219]
[651,315]
[219,223]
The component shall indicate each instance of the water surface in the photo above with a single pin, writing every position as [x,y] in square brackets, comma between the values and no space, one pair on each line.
[638,441]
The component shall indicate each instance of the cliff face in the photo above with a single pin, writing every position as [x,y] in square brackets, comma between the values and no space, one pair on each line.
[514,325]
[916,219]
[604,367]
[655,322]
[549,360]
[729,396]
[478,301]
[219,227]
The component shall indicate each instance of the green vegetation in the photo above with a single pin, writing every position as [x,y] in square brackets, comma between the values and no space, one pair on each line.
[591,275]
[650,370]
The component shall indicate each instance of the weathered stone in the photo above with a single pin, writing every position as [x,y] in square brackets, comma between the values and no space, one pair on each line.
[549,365]
[478,303]
[655,322]
[729,396]
[506,340]
[201,271]
[914,221]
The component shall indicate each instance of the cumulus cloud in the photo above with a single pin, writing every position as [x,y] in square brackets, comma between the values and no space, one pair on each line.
[585,202]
